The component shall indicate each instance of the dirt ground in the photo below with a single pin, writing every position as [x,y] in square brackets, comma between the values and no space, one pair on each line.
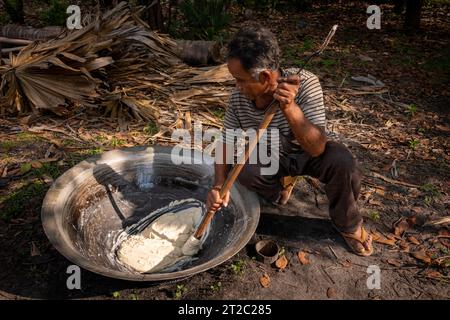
[399,132]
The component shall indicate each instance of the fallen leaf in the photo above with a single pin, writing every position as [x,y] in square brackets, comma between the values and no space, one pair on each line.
[49,151]
[302,257]
[5,172]
[346,263]
[47,179]
[331,293]
[422,255]
[413,240]
[377,237]
[375,202]
[25,120]
[444,232]
[412,221]
[34,250]
[404,245]
[434,274]
[400,226]
[265,280]
[36,164]
[281,262]
[394,262]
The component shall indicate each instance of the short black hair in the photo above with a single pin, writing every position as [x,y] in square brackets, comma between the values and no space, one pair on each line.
[256,47]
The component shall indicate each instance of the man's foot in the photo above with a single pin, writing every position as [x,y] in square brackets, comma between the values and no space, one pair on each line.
[359,242]
[288,186]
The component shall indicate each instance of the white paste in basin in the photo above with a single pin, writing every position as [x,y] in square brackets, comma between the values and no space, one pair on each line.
[160,244]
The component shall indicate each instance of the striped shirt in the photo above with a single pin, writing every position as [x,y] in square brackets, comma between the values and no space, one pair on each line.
[243,114]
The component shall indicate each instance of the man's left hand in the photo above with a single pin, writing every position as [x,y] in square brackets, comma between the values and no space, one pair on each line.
[287,91]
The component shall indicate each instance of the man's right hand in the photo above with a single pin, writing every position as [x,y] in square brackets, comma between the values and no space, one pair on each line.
[213,200]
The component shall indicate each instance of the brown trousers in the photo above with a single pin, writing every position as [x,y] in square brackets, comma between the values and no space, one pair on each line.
[336,168]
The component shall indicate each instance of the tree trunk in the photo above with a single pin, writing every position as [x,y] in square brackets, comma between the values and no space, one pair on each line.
[153,14]
[413,12]
[29,33]
[199,52]
[399,6]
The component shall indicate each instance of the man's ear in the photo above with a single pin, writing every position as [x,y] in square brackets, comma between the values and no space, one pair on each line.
[264,77]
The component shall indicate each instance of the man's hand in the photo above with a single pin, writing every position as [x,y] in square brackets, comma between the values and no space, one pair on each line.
[287,91]
[213,200]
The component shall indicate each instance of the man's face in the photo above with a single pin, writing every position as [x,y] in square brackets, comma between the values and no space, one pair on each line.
[245,83]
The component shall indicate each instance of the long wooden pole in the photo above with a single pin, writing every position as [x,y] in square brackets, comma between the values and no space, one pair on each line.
[233,174]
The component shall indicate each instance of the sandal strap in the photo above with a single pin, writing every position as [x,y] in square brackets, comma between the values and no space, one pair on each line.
[362,239]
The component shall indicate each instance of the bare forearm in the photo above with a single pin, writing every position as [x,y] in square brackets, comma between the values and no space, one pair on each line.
[220,167]
[311,138]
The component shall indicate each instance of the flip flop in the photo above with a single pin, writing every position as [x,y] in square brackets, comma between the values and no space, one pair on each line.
[364,238]
[288,185]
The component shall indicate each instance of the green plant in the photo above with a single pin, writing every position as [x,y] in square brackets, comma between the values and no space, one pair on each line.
[94,151]
[151,129]
[181,289]
[430,192]
[412,109]
[134,296]
[27,137]
[329,62]
[13,204]
[50,169]
[205,19]
[413,143]
[219,113]
[440,64]
[374,215]
[216,287]
[7,145]
[116,143]
[238,266]
[100,138]
[25,167]
[56,14]
[116,294]
[290,52]
[307,44]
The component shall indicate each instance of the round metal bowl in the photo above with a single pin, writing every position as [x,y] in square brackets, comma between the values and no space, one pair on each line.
[102,195]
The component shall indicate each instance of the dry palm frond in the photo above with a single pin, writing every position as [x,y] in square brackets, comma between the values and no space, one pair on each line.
[50,74]
[117,64]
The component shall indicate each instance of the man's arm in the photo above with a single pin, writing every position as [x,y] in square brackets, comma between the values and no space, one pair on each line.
[220,166]
[311,138]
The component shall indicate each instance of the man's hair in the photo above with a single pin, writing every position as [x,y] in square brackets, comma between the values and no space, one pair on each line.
[256,48]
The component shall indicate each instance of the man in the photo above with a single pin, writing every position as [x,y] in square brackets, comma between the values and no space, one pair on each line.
[253,60]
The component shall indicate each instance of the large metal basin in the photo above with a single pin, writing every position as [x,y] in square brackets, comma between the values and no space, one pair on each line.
[99,197]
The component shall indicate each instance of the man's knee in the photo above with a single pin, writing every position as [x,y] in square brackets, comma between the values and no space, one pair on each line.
[341,158]
[249,175]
